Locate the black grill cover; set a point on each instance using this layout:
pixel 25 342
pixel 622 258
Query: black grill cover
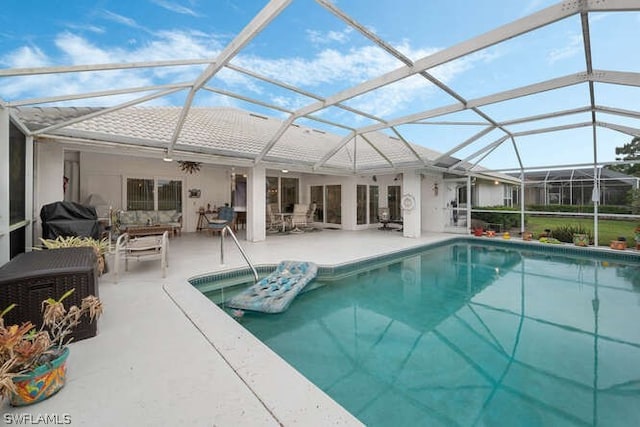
pixel 69 219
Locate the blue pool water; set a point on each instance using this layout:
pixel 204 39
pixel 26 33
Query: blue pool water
pixel 471 335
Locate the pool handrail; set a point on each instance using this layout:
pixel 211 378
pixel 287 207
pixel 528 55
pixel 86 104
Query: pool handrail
pixel 244 254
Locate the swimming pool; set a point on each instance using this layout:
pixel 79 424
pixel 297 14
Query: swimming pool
pixel 469 334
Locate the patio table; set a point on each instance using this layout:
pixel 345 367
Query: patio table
pixel 149 230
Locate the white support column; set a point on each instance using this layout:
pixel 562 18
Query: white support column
pixel 349 203
pixel 411 195
pixel 49 173
pixel 522 206
pixel 469 204
pixel 5 248
pixel 29 183
pixel 256 204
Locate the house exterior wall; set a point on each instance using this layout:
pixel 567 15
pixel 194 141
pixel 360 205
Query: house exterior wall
pixel 49 174
pixel 411 204
pixel 106 174
pixel 433 214
pixel 489 193
pixel 257 199
pixel 348 190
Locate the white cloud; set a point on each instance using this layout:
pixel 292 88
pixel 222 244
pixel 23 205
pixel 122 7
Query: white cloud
pixel 331 67
pixel 573 47
pixel 325 73
pixel 90 28
pixel 25 57
pixel 175 7
pixel 120 19
pixel 75 50
pixel 320 37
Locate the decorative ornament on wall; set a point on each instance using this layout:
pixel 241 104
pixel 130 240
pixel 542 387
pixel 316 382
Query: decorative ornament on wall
pixel 190 167
pixel 408 202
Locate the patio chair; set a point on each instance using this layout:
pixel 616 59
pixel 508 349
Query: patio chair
pixel 311 213
pixel 274 220
pixel 383 218
pixel 226 216
pixel 299 217
pixel 142 248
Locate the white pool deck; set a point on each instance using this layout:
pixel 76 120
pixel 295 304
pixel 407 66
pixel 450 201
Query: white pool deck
pixel 166 356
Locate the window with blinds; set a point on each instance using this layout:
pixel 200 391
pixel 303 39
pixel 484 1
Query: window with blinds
pixel 146 194
pixel 169 195
pixel 140 194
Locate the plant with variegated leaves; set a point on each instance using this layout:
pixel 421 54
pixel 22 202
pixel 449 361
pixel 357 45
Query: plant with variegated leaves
pixel 23 347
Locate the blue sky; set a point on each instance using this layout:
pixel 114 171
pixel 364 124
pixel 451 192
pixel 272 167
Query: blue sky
pixel 308 47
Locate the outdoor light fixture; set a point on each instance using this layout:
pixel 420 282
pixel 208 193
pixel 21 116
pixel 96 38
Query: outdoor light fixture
pixel 285 171
pixel 166 157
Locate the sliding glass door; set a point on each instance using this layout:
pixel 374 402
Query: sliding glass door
pixel 317 197
pixel 393 200
pixel 282 193
pixel 333 201
pixel 328 200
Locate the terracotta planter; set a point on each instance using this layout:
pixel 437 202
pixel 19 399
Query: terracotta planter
pixel 41 383
pixel 618 244
pixel 527 235
pixel 477 232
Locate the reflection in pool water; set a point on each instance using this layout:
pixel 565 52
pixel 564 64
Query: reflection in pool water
pixel 471 335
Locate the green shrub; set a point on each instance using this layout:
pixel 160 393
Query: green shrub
pixel 506 219
pixel 565 233
pixel 602 209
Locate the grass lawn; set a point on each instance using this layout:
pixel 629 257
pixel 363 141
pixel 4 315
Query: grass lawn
pixel 608 229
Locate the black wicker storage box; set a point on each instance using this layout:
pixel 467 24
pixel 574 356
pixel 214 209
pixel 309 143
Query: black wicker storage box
pixel 32 277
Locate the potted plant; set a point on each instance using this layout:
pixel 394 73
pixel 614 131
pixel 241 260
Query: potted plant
pixel 100 247
pixel 620 244
pixel 580 239
pixel 527 235
pixel 636 236
pixel 33 361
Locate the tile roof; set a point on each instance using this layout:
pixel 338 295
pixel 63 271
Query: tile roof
pixel 229 132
